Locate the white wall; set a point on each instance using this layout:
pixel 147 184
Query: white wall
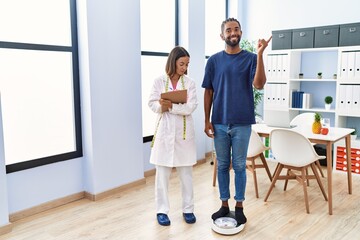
pixel 263 16
pixel 114 156
pixel 4 208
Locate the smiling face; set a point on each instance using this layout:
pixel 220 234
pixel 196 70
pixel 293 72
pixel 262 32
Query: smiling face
pixel 231 33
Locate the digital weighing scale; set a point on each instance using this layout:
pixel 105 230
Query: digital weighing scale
pixel 227 225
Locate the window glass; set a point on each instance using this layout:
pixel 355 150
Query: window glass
pixel 158 33
pixel 39 82
pixel 37 104
pixel 35 21
pixel 152 67
pixel 157 25
pixel 215 13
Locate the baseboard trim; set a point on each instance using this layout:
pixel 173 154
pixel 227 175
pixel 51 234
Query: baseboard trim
pixel 149 173
pixel 45 206
pixel 201 161
pixel 99 196
pixel 6 228
pixel 208 154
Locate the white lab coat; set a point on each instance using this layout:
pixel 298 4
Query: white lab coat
pixel 170 149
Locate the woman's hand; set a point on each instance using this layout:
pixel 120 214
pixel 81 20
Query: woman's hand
pixel 165 105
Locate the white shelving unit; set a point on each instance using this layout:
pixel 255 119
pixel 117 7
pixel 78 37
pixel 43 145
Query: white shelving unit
pixel 283 68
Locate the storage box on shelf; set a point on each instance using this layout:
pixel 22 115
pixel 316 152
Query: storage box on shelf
pixel 281 39
pixel 327 36
pixel 303 38
pixel 349 34
pixel 340 161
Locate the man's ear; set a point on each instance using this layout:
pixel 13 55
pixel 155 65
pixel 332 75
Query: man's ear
pixel 222 36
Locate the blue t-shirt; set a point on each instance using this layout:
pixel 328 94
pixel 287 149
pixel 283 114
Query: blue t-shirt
pixel 231 77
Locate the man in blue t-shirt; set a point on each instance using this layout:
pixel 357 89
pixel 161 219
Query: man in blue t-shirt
pixel 230 76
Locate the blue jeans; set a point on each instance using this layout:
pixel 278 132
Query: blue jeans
pixel 231 144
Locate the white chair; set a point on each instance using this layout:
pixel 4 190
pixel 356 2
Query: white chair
pixel 305 120
pixel 255 150
pixel 295 153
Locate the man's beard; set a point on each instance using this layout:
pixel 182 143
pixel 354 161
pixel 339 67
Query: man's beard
pixel 231 43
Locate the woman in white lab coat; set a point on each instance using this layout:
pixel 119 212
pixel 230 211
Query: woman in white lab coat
pixel 173 143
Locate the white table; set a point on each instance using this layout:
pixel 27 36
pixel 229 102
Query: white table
pixel 335 134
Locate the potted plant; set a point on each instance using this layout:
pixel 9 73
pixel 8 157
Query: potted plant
pixel 250 46
pixel 328 100
pixel 301 75
pixel 334 76
pixel 319 75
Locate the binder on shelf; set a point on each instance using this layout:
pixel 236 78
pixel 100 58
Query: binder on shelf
pixel 344 65
pixel 342 95
pixel 356 98
pixel 278 94
pixel 267 94
pixel 284 96
pixel 273 65
pixel 306 103
pixel 293 99
pixel 280 66
pixel 348 97
pixel 351 64
pixel 357 65
pixel 269 66
pixel 300 99
pixel 273 94
pixel 285 66
pixel 297 99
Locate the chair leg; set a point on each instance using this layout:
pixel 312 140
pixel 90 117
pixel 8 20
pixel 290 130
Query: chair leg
pixel 286 180
pixel 307 179
pixel 254 176
pixel 263 160
pixel 276 168
pixel 276 176
pixel 303 182
pixel 320 169
pixel 313 168
pixel 215 172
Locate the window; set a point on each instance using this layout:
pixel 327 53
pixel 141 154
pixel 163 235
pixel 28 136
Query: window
pixel 158 37
pixel 39 82
pixel 215 14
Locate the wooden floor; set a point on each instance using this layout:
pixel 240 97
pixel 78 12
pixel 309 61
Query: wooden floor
pixel 131 214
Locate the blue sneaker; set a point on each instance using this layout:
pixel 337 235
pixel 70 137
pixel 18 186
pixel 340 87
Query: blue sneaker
pixel 163 219
pixel 189 218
